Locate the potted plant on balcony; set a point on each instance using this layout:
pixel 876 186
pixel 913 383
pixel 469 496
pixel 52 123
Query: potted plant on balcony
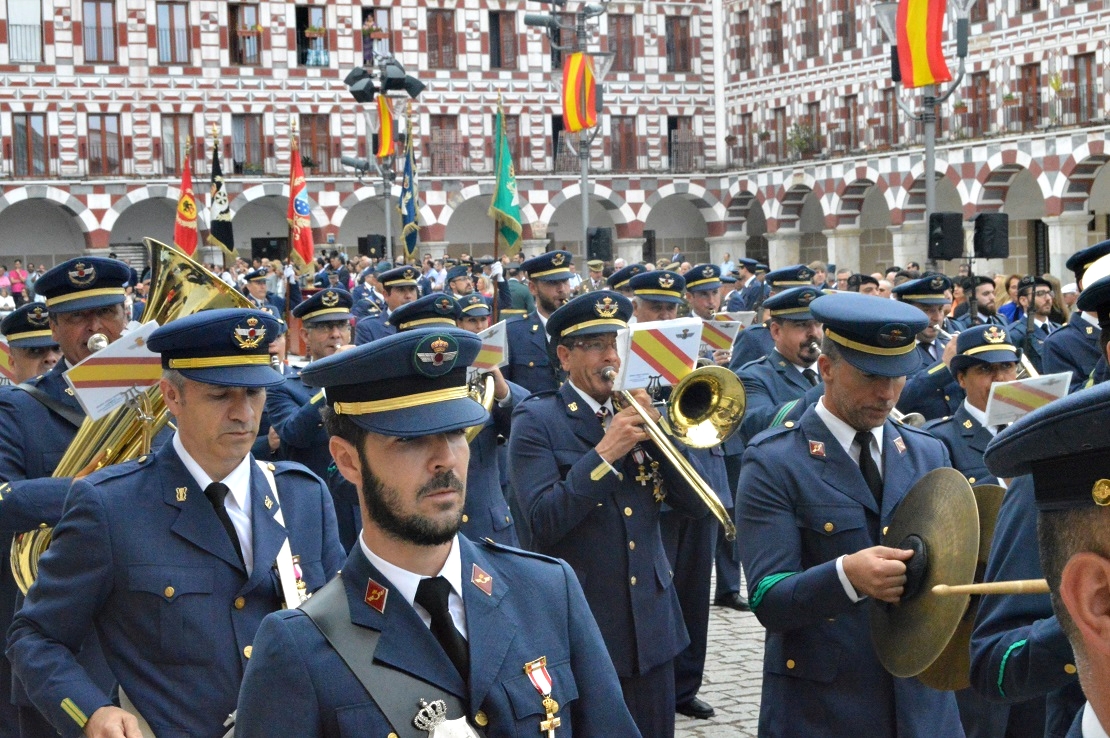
pixel 248 31
pixel 802 140
pixel 307 163
pixel 959 107
pixel 764 136
pixel 1009 100
pixel 315 32
pixel 370 29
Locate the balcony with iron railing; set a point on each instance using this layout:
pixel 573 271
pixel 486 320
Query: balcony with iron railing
pixel 687 156
pixel 248 158
pixel 447 157
pixel 104 159
pixel 100 44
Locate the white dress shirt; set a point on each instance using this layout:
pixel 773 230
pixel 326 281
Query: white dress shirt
pixel 406 583
pixel 237 502
pixel 1092 728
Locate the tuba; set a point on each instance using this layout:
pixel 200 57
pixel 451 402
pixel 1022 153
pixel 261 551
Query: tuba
pixel 179 286
pixel 480 388
pixel 704 409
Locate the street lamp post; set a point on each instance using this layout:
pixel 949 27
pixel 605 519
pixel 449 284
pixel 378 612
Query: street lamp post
pixel 886 14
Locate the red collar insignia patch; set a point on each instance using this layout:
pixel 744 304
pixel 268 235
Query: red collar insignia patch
pixel 900 444
pixel 481 580
pixel 817 448
pixel 376 595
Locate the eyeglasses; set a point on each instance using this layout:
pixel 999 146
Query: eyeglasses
pixel 597 345
pixel 1043 293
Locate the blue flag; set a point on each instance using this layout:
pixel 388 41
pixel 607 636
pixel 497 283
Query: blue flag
pixel 410 196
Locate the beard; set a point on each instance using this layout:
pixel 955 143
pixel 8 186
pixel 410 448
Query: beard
pixel 382 504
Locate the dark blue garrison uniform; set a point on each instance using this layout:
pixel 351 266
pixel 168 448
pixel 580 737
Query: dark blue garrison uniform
pixel 511 608
pixel 755 342
pixel 933 392
pixel 271 303
pixel 966 440
pixel 532 364
pixel 806 503
pixel 1074 348
pixel 604 521
pixel 141 557
pixel 373 327
pixel 1035 350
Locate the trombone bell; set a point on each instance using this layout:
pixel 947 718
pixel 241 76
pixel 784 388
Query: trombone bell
pixel 706 407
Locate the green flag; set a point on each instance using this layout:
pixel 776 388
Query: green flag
pixel 505 206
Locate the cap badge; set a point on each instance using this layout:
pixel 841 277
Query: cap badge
pixel 1100 492
pixel 376 596
pixel 806 298
pixel 443 306
pixel 937 283
pixel 38 316
pixel 707 272
pixel 804 273
pixel 330 299
pixel 249 335
pixel 435 355
pixel 606 308
pixel 82 275
pixel 409 274
pixel 558 259
pixel 481 580
pixel 666 281
pixel 894 335
pixel 994 334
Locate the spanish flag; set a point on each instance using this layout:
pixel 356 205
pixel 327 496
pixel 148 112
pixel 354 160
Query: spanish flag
pixel 579 97
pixel 920 26
pixel 385 128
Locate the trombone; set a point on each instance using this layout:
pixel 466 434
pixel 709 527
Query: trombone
pixel 704 409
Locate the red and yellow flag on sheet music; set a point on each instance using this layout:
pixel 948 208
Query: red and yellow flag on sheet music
pixel 7 368
pixel 920 27
pixel 385 128
pixel 579 93
pixel 185 224
pixel 662 353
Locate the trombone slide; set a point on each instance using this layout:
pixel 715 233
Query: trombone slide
pixel 1017 586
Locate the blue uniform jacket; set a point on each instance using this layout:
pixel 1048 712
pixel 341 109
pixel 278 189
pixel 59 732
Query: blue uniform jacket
pixel 963 322
pixel 1035 350
pixel 1018 650
pixel 261 448
pixel 298 423
pixel 752 343
pixel 486 513
pixel 578 512
pixel 1074 348
pixel 530 366
pixel 933 392
pixel 805 504
pixel 373 327
pixel 769 384
pixel 141 558
pixel 966 440
pixel 535 609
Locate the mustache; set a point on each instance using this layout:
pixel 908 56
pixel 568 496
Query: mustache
pixel 443 480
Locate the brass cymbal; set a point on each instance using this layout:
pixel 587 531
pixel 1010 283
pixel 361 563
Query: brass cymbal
pixel 952 669
pixel 939 519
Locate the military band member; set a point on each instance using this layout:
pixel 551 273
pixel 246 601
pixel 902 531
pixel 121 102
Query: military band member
pixel 257 292
pixel 591 498
pixel 399 286
pixel 463 618
pixel 982 308
pixel 782 384
pixel 85 297
pixel 931 388
pixel 815 498
pixel 459 281
pixel 755 342
pixel 31 344
pixel 1075 347
pixel 1034 297
pixel 169 557
pixel 531 360
pixel 268 444
pixel 1058 453
pixel 619 280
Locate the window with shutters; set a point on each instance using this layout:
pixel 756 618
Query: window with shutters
pixel 679 43
pixel 245 38
pixel 686 151
pixel 442 39
pixel 846 28
pixel 176 129
pixel 745 152
pixel 622 42
pixel 744 41
pixel 99 31
pixel 812 120
pixel 1029 88
pixel 779 133
pixel 105 145
pixel 774 33
pixel 173 33
pixel 979 11
pixel 312 36
pixel 247 144
pixel 445 148
pixel 30 145
pixel 979 104
pixel 811 39
pixel 563 156
pixel 1086 93
pixel 25 31
pixel 623 142
pixel 502 39
pixel 375 34
pixel 315 144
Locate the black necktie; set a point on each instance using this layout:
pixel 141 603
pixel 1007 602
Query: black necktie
pixel 930 349
pixel 602 414
pixel 432 595
pixel 811 377
pixel 867 466
pixel 216 492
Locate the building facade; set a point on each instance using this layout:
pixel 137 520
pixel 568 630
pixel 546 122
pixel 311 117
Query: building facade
pixel 742 126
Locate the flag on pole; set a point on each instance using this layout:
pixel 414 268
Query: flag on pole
pixel 299 215
pixel 385 128
pixel 410 195
pixel 920 26
pixel 579 93
pixel 219 207
pixel 185 224
pixel 504 208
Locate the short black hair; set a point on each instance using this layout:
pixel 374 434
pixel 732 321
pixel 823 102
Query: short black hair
pixel 343 427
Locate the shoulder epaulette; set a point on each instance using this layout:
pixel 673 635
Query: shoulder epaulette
pixel 502 548
pixel 116 471
pixel 541 393
pixel 773 432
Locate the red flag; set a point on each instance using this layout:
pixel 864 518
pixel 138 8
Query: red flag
pixel 185 226
pixel 385 128
pixel 299 215
pixel 920 25
pixel 579 94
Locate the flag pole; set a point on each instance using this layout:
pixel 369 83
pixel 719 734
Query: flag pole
pixel 496 311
